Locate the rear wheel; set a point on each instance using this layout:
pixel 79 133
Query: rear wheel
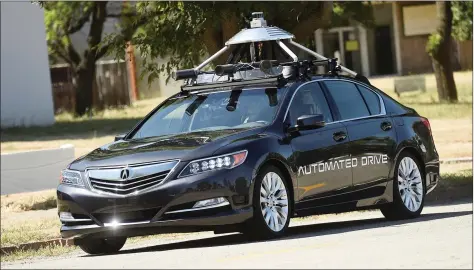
pixel 103 245
pixel 408 190
pixel 271 204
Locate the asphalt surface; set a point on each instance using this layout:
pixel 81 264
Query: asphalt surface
pixel 440 238
pixel 33 170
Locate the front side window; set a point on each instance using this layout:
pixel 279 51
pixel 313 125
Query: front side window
pixel 213 111
pixel 348 99
pixel 309 99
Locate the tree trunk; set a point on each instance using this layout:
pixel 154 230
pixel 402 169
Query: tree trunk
pixel 443 70
pixel 84 82
pixel 86 70
pixel 442 53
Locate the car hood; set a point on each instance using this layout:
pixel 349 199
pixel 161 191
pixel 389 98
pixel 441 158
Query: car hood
pixel 186 146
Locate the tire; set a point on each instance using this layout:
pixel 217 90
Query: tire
pixel 102 245
pixel 411 205
pixel 263 226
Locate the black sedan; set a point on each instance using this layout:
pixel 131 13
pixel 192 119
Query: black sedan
pixel 247 159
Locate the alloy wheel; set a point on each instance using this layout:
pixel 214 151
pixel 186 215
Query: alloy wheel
pixel 409 184
pixel 274 201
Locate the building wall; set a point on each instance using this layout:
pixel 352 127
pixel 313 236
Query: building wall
pixel 413 53
pixel 414 57
pixel 26 97
pixel 465 55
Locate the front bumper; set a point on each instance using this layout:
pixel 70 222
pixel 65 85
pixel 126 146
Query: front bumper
pixel 159 209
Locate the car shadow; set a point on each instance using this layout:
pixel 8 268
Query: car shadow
pixel 294 232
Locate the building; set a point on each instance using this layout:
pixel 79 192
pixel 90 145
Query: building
pixel 395 46
pixel 26 97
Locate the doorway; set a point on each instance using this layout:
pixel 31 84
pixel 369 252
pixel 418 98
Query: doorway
pixel 383 51
pixel 347 44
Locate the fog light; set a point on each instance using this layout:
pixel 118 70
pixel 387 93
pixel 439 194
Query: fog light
pixel 65 216
pixel 221 201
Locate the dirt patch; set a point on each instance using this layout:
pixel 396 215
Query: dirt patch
pixel 453 137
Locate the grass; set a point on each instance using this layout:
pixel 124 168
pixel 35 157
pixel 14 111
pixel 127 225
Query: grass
pixel 40 200
pixel 51 251
pixel 15 233
pixel 427 103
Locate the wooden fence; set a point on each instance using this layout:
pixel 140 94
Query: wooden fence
pixel 110 88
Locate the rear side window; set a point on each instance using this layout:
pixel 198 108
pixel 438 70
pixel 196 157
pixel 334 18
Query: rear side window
pixel 371 99
pixel 348 99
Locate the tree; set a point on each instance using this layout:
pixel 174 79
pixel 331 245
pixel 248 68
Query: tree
pixel 455 20
pixel 63 19
pixel 462 20
pixel 186 31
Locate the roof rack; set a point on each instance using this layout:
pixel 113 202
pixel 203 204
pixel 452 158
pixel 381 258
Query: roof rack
pixel 275 80
pixel 248 38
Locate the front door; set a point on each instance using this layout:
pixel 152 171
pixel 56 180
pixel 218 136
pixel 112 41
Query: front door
pixel 371 133
pixel 321 155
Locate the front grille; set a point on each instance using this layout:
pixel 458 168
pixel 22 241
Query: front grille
pixel 128 186
pixel 130 179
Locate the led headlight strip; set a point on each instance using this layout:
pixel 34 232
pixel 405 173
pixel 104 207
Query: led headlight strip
pixel 227 161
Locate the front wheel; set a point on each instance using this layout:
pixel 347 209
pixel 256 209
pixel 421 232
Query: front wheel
pixel 408 190
pixel 102 246
pixel 271 204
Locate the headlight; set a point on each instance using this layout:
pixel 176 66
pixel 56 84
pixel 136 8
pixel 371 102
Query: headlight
pixel 227 161
pixel 73 178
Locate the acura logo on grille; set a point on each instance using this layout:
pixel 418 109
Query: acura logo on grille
pixel 124 173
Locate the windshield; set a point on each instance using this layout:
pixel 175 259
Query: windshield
pixel 235 109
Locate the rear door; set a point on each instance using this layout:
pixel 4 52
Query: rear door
pixel 319 154
pixel 371 134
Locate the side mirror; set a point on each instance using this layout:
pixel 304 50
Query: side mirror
pixel 308 122
pixel 120 137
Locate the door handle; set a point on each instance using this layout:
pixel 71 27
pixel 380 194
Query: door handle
pixel 386 126
pixel 339 136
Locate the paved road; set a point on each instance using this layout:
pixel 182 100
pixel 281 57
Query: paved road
pixel 441 238
pixel 33 170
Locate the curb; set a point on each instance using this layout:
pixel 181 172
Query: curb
pixel 456 160
pixel 37 245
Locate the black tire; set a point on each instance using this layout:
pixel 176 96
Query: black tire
pixel 256 228
pixel 102 246
pixel 397 209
